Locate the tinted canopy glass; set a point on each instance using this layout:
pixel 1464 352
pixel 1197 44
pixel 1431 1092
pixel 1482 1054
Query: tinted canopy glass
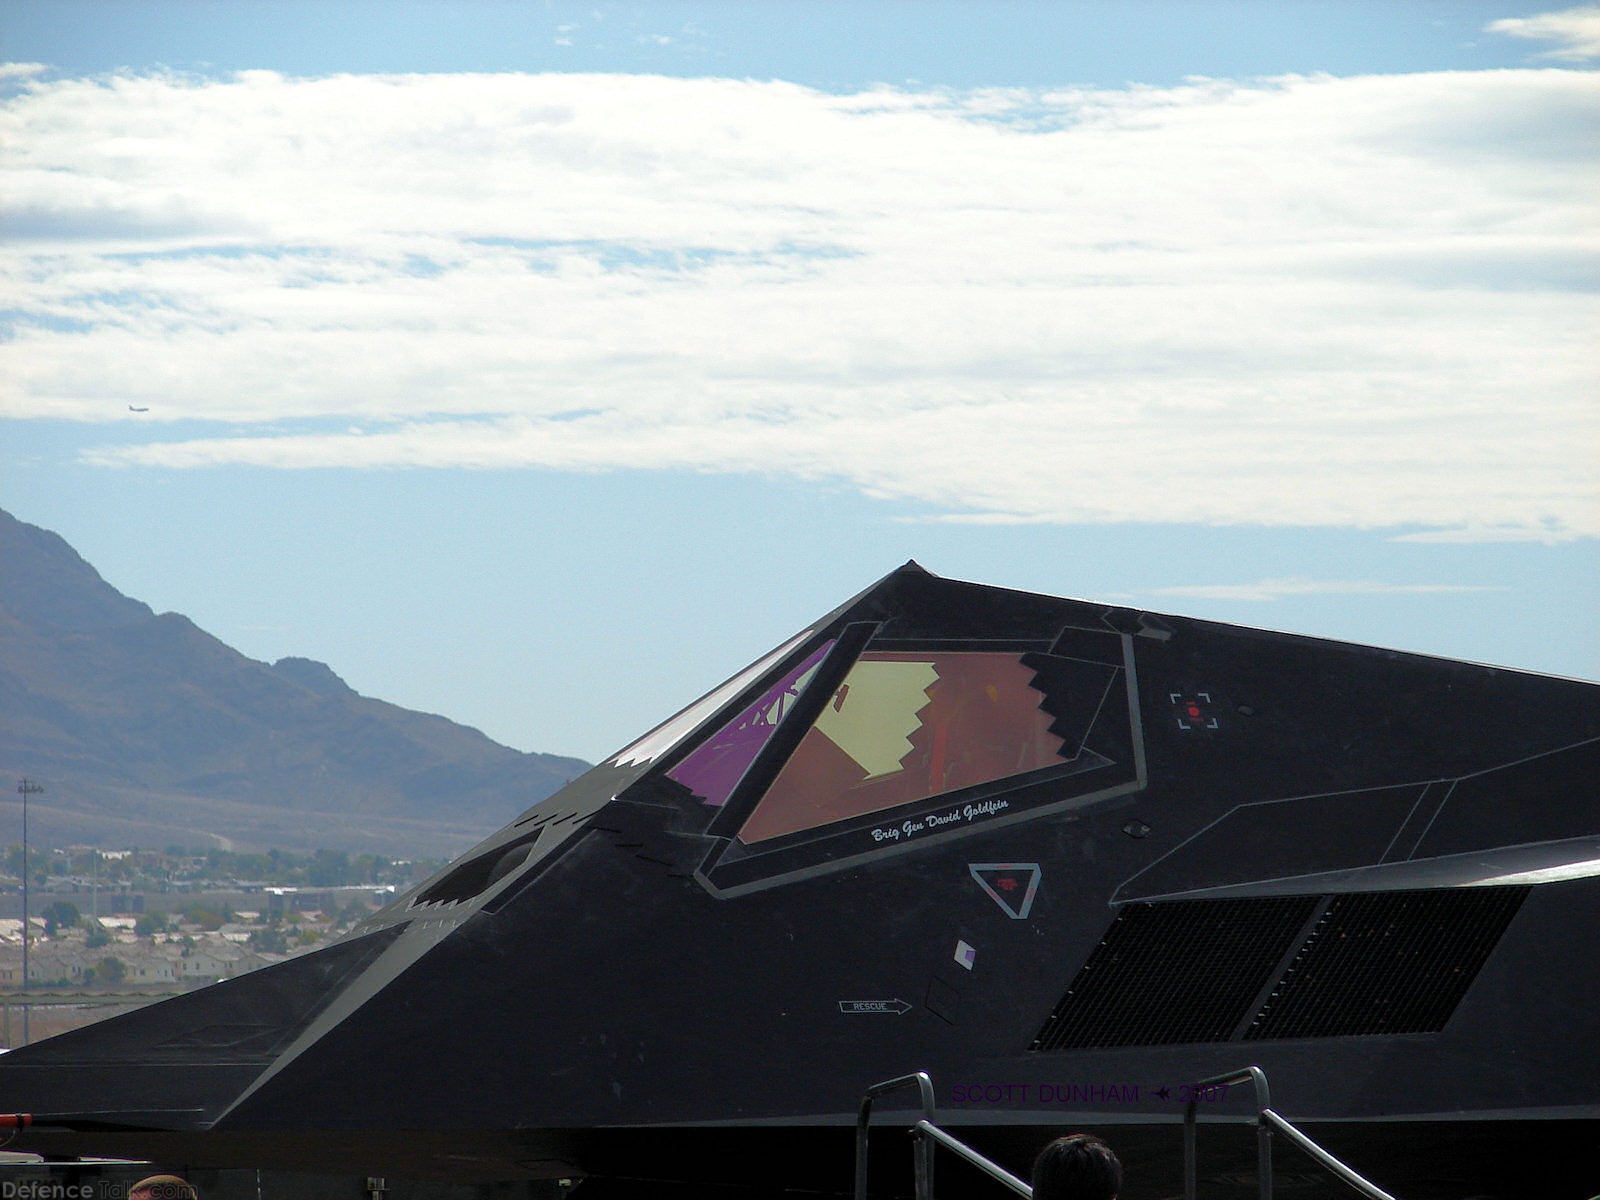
pixel 904 726
pixel 715 767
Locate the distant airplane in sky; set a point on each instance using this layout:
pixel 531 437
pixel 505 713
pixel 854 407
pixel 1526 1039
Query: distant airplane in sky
pixel 133 408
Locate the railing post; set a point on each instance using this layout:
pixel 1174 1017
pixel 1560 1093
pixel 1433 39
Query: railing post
pixel 1264 1155
pixel 1191 1156
pixel 922 1152
pixel 924 1147
pixel 1253 1075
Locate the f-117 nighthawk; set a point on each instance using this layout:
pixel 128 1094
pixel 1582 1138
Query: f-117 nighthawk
pixel 1067 857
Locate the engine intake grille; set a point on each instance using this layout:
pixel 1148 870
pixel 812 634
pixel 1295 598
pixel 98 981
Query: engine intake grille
pixel 1328 966
pixel 1186 971
pixel 1387 962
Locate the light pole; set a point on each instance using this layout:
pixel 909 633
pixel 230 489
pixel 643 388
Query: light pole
pixel 27 788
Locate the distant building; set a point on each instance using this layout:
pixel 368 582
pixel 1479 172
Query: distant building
pixel 148 967
pixel 284 900
pixel 145 963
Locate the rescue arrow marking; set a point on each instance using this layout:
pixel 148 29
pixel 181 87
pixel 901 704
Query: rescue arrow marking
pixel 897 1007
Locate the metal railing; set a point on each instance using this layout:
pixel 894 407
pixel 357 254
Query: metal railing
pixel 926 1137
pixel 1267 1121
pixel 927 1129
pixel 923 1149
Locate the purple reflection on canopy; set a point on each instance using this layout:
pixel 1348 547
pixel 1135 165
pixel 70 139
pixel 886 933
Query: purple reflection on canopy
pixel 715 767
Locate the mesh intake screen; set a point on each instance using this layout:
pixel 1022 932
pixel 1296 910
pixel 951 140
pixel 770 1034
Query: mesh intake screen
pixel 1187 971
pixel 1388 962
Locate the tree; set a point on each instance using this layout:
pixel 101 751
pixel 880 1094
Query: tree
pixel 208 919
pixel 150 923
pixel 58 915
pixel 110 970
pixel 329 868
pixel 270 941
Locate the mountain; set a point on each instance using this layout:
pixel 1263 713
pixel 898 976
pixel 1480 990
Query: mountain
pixel 146 730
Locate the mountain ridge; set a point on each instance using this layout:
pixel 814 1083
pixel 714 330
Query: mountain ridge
pixel 147 730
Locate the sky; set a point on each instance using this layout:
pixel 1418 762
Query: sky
pixel 542 364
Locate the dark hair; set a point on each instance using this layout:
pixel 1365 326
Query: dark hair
pixel 1076 1167
pixel 163 1187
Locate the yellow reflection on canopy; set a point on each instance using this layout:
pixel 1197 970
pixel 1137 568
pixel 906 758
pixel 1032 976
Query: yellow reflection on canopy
pixel 874 713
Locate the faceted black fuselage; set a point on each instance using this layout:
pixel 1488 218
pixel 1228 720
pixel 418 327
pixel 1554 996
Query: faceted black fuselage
pixel 1374 874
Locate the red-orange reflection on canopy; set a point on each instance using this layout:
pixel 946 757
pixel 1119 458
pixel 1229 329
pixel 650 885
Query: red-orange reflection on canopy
pixel 904 726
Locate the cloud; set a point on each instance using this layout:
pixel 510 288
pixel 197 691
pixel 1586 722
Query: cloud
pixel 1269 590
pixel 1480 535
pixel 1577 29
pixel 1307 301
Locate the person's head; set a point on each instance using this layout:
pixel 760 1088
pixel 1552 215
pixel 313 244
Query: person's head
pixel 1076 1167
pixel 163 1187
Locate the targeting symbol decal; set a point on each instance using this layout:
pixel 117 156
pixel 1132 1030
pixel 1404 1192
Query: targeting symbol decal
pixel 1194 711
pixel 1010 885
